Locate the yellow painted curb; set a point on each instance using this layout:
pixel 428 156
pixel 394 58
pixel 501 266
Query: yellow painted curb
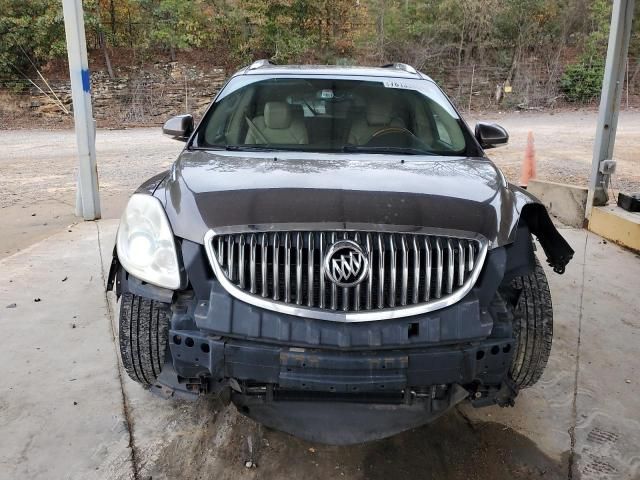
pixel 617 225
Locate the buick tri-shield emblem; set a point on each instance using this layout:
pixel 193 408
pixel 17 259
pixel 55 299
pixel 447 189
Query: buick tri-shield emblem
pixel 346 264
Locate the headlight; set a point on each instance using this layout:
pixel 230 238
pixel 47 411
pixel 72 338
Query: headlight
pixel 145 244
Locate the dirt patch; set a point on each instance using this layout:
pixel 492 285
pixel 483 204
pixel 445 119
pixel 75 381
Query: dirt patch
pixel 211 440
pixel 24 225
pixel 450 448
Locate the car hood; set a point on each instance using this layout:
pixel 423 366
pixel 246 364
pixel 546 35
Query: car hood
pixel 208 189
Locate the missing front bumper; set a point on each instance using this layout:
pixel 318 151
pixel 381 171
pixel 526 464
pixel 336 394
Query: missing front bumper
pixel 336 397
pixel 214 360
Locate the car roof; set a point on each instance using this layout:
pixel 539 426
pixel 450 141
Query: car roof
pixel 395 70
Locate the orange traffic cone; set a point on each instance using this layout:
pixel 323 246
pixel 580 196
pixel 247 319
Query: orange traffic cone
pixel 528 163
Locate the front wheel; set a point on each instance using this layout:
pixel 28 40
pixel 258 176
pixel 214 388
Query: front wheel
pixel 532 326
pixel 143 333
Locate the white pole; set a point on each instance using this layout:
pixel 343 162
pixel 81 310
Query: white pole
pixel 88 198
pixel 473 74
pixel 612 83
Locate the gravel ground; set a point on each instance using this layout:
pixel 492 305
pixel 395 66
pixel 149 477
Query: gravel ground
pixel 564 147
pixel 38 166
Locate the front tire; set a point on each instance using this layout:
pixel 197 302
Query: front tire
pixel 143 334
pixel 532 327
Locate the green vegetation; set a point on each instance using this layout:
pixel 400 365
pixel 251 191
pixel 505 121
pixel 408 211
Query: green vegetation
pixel 537 46
pixel 582 81
pixel 34 28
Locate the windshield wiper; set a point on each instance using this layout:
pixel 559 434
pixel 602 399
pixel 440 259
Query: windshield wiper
pixel 391 150
pixel 261 148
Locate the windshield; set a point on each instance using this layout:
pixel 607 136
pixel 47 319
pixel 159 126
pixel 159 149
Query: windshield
pixel 378 115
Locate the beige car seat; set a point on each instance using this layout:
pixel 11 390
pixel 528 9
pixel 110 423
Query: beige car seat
pixel 277 126
pixel 379 116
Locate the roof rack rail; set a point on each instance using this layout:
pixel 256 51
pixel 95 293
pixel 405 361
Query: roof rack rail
pixel 259 63
pixel 401 66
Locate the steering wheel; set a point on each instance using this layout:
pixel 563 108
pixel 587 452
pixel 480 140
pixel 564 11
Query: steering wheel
pixel 390 131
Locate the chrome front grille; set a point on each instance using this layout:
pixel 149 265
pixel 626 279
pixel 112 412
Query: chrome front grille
pixel 408 272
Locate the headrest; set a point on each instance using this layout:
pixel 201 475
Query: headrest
pixel 379 111
pixel 277 115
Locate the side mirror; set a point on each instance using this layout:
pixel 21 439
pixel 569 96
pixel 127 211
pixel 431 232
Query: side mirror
pixel 491 135
pixel 179 127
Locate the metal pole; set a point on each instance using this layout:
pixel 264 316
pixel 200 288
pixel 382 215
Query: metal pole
pixel 88 198
pixel 603 165
pixel 473 74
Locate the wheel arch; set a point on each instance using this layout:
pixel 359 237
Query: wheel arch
pixel 120 281
pixel 534 220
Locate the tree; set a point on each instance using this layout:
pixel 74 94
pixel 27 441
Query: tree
pixel 174 24
pixel 524 42
pixel 302 30
pixel 582 80
pixel 33 29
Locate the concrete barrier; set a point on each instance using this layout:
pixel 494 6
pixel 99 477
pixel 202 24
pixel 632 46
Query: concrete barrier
pixel 617 225
pixel 565 202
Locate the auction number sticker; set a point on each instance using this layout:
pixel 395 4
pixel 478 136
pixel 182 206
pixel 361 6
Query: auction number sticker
pixel 395 84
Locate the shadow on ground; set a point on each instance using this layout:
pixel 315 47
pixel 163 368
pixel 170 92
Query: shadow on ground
pixel 453 447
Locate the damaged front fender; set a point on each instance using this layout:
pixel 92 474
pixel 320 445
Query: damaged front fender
pixel 532 212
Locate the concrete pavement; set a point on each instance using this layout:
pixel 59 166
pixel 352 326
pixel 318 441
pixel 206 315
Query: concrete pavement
pixel 61 410
pixel 68 411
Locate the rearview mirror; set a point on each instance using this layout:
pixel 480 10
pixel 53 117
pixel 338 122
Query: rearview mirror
pixel 491 135
pixel 179 127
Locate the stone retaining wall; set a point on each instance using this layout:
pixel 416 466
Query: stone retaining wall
pixel 134 96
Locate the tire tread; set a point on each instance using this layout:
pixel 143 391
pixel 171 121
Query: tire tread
pixel 532 327
pixel 143 337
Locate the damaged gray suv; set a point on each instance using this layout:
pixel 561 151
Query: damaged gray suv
pixel 334 252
